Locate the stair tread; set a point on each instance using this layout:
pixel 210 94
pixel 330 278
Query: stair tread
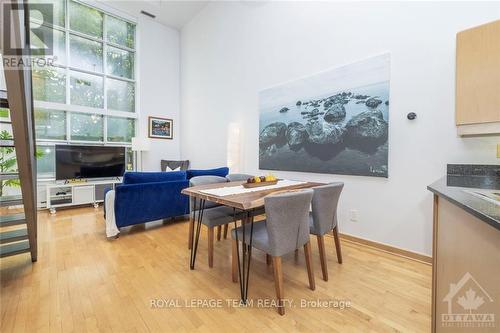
pixel 14 248
pixel 9 175
pixel 13 235
pixel 12 219
pixel 11 200
pixel 7 143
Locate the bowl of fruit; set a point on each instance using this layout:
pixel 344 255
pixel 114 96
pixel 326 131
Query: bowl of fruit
pixel 258 181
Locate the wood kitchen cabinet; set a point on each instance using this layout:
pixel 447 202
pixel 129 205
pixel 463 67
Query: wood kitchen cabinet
pixel 478 80
pixel 466 257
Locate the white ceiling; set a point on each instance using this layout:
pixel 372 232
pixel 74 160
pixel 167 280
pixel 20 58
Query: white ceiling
pixel 174 14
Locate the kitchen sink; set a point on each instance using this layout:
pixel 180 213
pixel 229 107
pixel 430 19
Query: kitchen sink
pixel 488 195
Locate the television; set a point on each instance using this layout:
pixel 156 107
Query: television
pixel 74 161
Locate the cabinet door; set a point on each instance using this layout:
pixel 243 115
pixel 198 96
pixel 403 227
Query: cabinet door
pixel 83 194
pixel 478 75
pixel 99 191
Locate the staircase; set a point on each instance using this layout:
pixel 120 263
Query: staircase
pixel 18 227
pixel 14 238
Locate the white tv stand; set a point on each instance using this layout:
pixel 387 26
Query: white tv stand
pixel 74 194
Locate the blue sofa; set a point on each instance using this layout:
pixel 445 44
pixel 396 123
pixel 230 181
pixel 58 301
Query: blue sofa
pixel 151 196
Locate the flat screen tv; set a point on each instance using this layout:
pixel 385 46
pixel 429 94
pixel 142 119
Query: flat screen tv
pixel 89 162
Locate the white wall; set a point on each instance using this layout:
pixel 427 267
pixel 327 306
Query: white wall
pixel 159 87
pixel 232 50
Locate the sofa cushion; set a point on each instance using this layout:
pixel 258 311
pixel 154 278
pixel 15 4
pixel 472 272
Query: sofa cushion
pixel 221 172
pixel 153 177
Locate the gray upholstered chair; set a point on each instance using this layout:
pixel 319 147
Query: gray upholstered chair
pixel 214 215
pixel 323 219
pixel 235 177
pixel 285 229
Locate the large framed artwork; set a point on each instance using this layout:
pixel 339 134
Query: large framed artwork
pixel 335 122
pixel 160 128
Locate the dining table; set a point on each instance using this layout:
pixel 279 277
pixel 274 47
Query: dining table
pixel 246 204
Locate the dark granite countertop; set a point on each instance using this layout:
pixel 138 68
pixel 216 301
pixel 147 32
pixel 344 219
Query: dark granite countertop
pixel 452 186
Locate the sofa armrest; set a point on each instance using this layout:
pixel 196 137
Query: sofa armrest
pixel 139 203
pixel 112 230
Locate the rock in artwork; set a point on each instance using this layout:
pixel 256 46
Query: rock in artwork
pixel 332 122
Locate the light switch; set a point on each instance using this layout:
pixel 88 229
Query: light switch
pixel 354 215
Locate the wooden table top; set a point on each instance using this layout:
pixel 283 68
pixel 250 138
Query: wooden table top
pixel 244 201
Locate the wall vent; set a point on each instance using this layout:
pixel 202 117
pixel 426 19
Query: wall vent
pixel 148 14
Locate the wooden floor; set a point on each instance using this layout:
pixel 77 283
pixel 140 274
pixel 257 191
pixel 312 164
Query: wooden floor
pixel 83 282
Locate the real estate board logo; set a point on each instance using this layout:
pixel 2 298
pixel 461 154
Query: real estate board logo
pixel 27 37
pixel 467 305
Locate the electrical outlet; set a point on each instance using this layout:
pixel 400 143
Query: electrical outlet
pixel 354 215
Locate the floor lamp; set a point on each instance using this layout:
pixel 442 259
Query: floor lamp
pixel 139 145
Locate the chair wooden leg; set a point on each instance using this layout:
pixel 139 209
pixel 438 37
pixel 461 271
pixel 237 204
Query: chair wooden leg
pixel 310 273
pixel 278 282
pixel 268 259
pixel 337 244
pixel 226 226
pixel 219 230
pixel 211 247
pixel 234 261
pixel 322 256
pixel 190 235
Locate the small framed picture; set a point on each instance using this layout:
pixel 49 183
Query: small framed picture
pixel 161 128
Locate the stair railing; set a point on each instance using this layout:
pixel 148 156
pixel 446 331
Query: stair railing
pixel 19 95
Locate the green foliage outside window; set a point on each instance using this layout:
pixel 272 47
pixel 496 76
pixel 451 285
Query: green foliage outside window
pixel 85 19
pixel 120 63
pixel 120 32
pixel 50 124
pixel 121 95
pixel 8 162
pixel 86 127
pixel 58 11
pixel 86 90
pixel 4 113
pixel 120 129
pixel 49 84
pixel 86 54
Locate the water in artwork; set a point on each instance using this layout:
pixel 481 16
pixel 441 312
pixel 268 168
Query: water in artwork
pixel 343 131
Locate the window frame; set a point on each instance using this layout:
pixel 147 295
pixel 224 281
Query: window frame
pixel 67 107
pixel 67 68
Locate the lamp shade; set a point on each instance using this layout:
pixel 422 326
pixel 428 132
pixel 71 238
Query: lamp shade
pixel 233 149
pixel 140 144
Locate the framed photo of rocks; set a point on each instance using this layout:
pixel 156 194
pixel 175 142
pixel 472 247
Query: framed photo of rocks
pixel 334 122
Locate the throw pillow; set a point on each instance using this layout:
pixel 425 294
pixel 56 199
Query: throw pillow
pixel 169 170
